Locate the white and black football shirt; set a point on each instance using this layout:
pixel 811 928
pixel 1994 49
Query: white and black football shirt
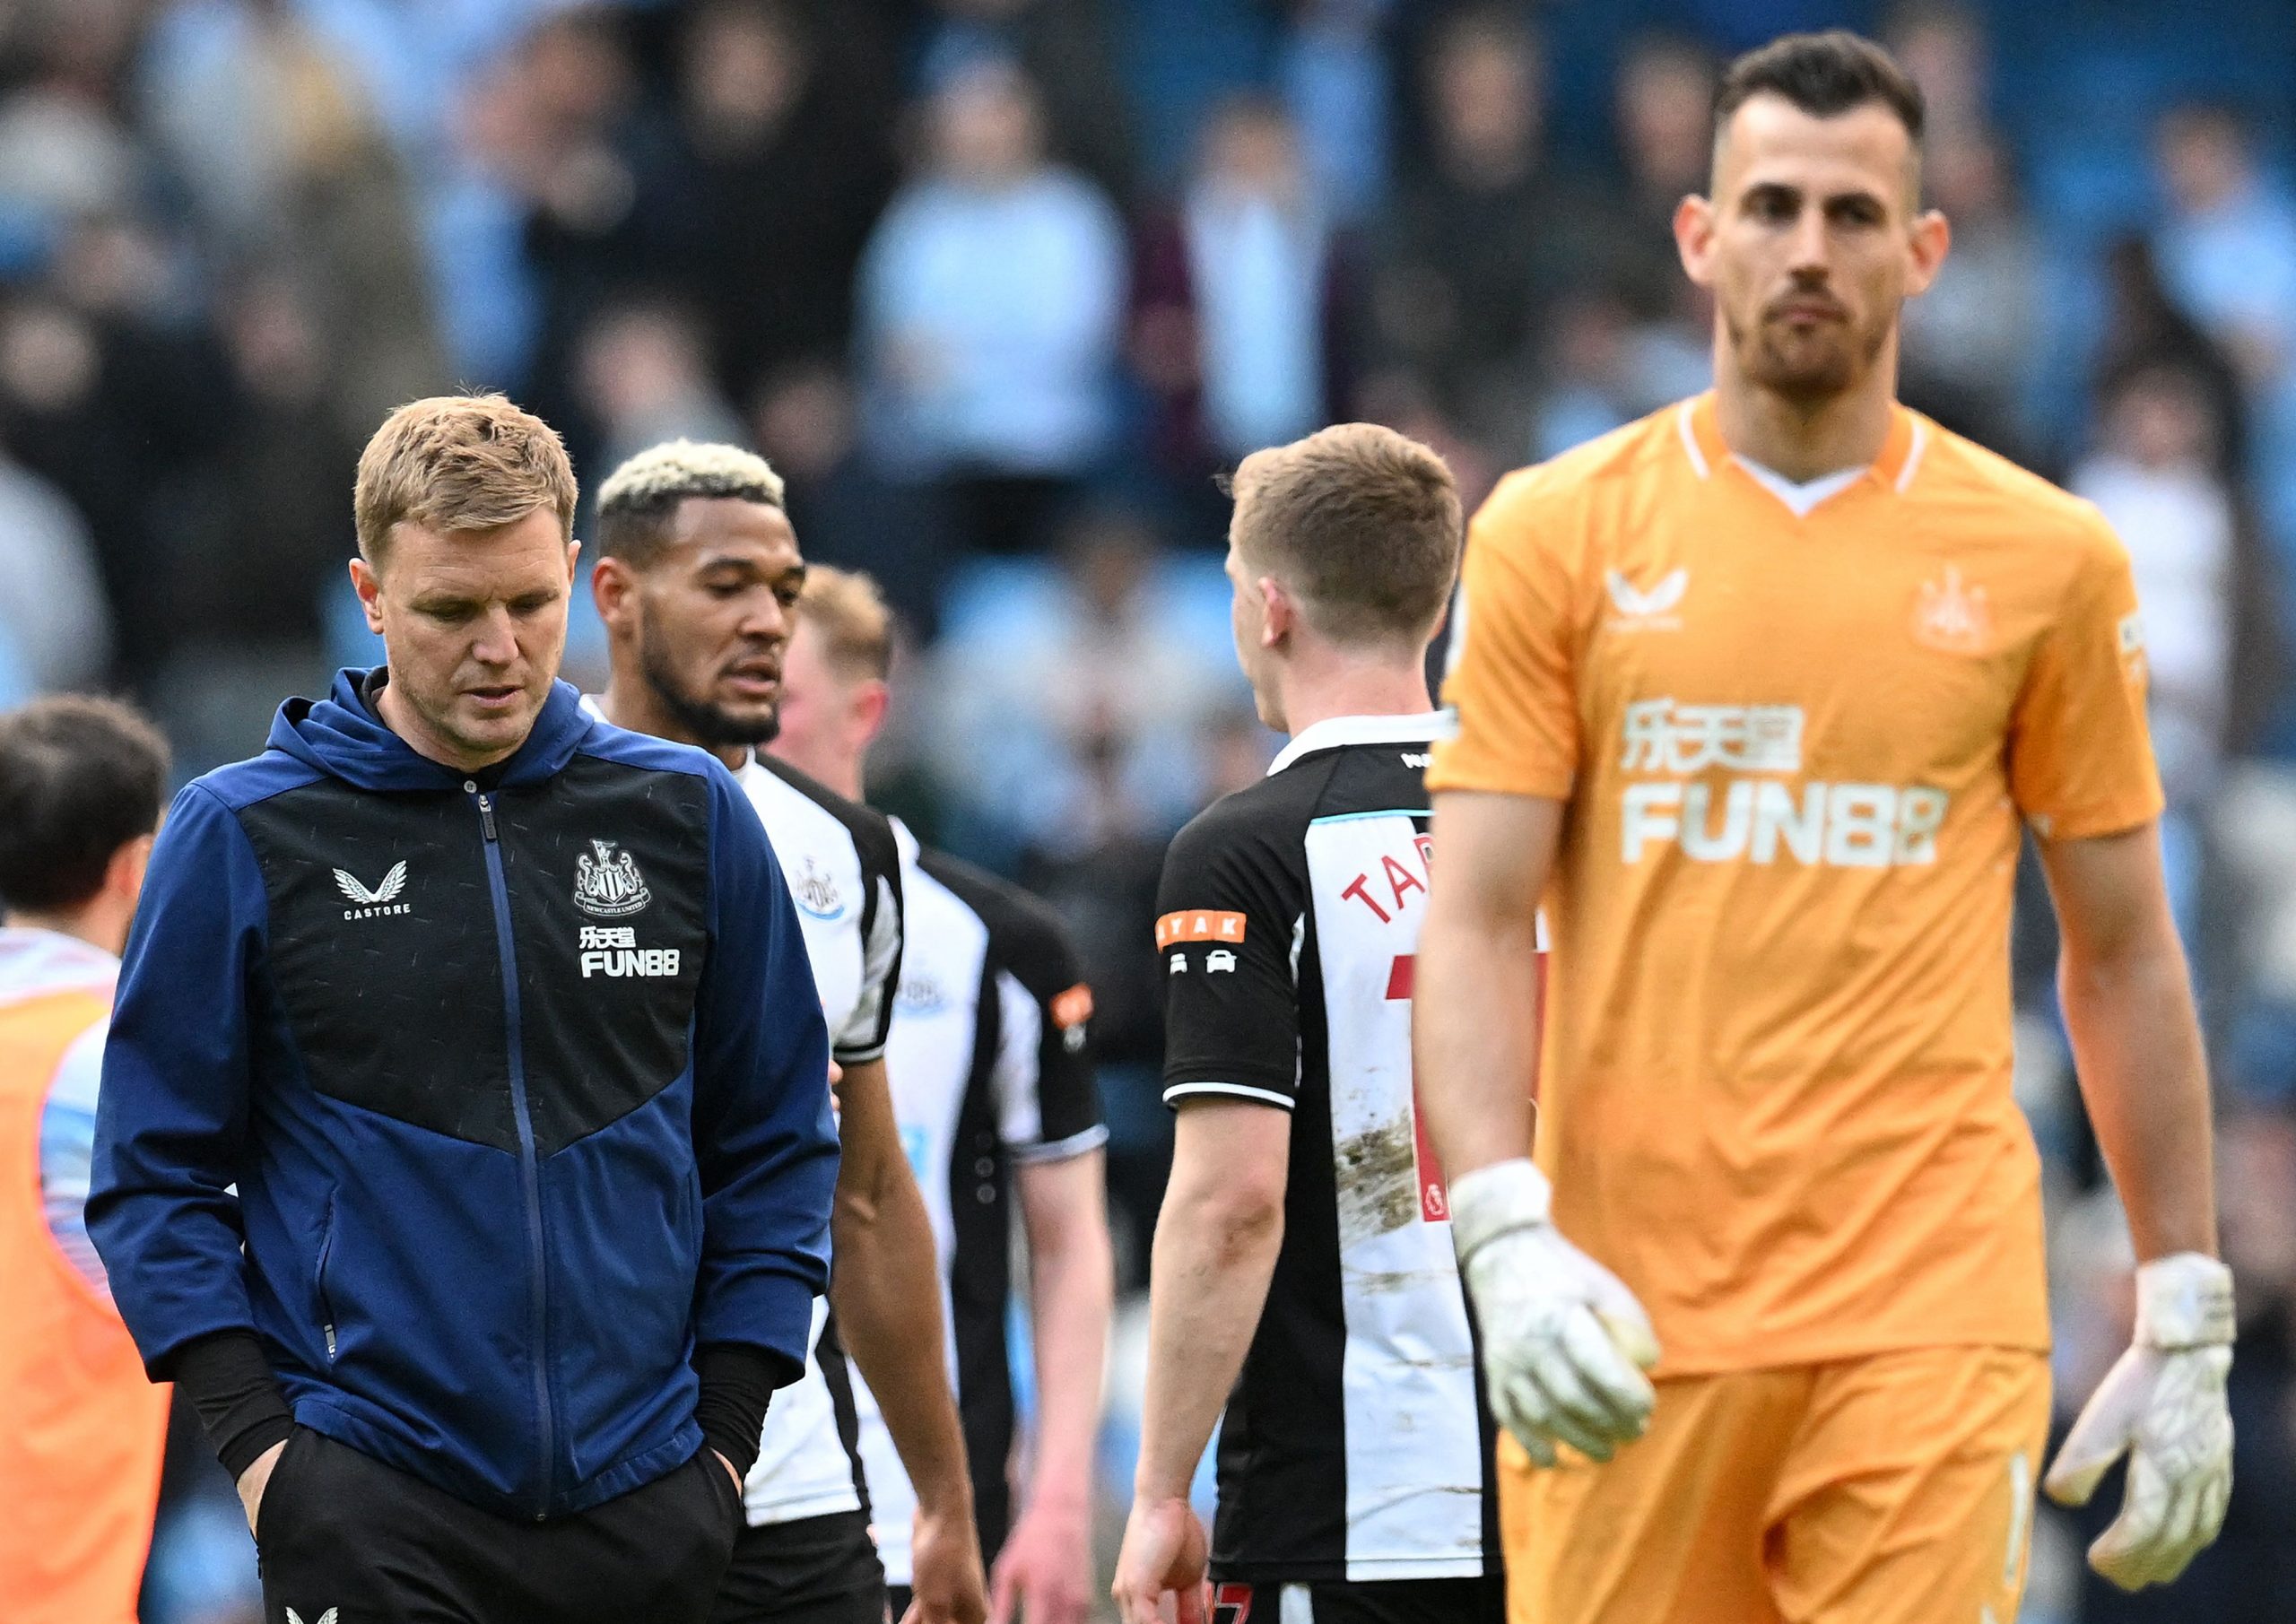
pixel 843 873
pixel 1355 1443
pixel 989 1066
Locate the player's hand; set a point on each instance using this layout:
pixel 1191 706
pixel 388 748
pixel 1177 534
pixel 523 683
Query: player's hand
pixel 1164 1550
pixel 1044 1574
pixel 946 1586
pixel 1564 1343
pixel 256 1479
pixel 2163 1406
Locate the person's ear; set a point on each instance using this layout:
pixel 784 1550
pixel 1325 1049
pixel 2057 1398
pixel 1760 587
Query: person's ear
pixel 368 582
pixel 1281 615
pixel 573 552
pixel 124 875
pixel 613 588
pixel 1932 238
pixel 1694 225
pixel 872 702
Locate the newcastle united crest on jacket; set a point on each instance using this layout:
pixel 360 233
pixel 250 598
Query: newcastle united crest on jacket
pixel 609 886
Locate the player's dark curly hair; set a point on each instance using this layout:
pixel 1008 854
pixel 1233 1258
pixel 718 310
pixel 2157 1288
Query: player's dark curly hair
pixel 1823 74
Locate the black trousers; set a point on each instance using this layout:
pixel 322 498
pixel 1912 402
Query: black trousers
pixel 344 1539
pixel 1389 1602
pixel 816 1570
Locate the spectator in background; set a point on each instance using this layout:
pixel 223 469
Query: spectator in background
pixel 1968 341
pixel 1586 377
pixel 1485 234
pixel 991 298
pixel 287 159
pixel 2144 326
pixel 1942 44
pixel 561 120
pixel 642 378
pixel 786 167
pixel 1075 726
pixel 1663 106
pixel 2228 248
pixel 53 626
pixel 64 151
pixel 1333 68
pixel 2154 476
pixel 262 540
pixel 2157 476
pixel 803 421
pixel 1634 333
pixel 1239 299
pixel 1067 48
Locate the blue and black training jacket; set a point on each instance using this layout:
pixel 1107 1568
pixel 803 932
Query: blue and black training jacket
pixel 481 1099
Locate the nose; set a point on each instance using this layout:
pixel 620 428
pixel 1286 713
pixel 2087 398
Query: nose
pixel 765 620
pixel 497 643
pixel 1812 247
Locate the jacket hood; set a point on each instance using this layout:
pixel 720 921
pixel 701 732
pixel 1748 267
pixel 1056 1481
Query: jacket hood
pixel 342 738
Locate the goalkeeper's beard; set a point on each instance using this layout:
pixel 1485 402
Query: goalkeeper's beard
pixel 710 725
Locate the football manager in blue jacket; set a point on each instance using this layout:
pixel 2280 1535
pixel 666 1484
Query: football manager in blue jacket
pixel 465 1150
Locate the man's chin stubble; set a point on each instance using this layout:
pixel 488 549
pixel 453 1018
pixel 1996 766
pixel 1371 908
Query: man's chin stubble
pixel 716 728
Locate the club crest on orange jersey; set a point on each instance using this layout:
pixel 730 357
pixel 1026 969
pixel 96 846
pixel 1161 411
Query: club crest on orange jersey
pixel 1951 615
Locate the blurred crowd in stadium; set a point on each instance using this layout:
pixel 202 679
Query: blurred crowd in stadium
pixel 1000 284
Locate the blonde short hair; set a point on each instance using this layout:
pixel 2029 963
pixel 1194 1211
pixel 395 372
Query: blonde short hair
pixel 856 629
pixel 638 499
pixel 459 462
pixel 1363 523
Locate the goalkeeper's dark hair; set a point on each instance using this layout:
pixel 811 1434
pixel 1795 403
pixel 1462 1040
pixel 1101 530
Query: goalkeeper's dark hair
pixel 79 777
pixel 640 499
pixel 1825 74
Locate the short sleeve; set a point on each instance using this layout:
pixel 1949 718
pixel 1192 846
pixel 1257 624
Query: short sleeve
pixel 1511 682
pixel 67 1140
pixel 1047 1104
pixel 862 1036
pixel 2080 756
pixel 1227 919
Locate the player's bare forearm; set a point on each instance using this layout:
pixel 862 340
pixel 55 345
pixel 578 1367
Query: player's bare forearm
pixel 885 1276
pixel 1474 1005
pixel 2137 1044
pixel 1064 1210
pixel 1217 1236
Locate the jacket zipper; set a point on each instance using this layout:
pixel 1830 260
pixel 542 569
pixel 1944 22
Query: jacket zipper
pixel 327 1309
pixel 529 1164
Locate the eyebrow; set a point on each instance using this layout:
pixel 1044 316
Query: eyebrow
pixel 435 603
pixel 1786 188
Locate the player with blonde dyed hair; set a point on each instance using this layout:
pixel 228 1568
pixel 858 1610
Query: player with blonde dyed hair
pixel 1760 696
pixel 697 584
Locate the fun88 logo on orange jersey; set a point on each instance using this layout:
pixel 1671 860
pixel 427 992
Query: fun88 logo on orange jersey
pixel 1756 813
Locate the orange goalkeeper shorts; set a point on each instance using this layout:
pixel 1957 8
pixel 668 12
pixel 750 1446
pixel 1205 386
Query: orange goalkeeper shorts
pixel 1893 1489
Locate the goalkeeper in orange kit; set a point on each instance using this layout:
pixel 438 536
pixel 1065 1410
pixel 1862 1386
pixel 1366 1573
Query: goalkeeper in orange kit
pixel 1759 696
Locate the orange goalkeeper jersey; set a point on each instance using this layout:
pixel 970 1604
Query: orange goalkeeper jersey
pixel 1796 752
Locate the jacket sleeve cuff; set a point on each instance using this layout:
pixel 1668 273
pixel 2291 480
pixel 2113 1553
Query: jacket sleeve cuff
pixel 766 1309
pixel 235 1395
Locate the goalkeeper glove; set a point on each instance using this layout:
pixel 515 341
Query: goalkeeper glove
pixel 1564 1343
pixel 2162 1404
